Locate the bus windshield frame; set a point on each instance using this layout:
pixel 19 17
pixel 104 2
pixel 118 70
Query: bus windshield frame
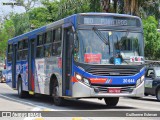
pixel 125 45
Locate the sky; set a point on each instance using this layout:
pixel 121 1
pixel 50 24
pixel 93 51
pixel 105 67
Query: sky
pixel 6 9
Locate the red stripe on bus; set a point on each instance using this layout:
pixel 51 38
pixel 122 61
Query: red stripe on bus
pixel 74 79
pixel 98 80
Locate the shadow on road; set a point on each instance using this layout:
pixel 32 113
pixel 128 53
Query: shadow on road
pixel 148 99
pixel 47 101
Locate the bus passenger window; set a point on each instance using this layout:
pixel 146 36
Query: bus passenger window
pixel 39 53
pixel 25 44
pixel 57 42
pixel 19 55
pixel 9 58
pixel 47 50
pixel 47 38
pixel 40 39
pixel 9 55
pixel 25 54
pixel 20 45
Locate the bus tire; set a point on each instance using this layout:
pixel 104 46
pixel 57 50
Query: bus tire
pixel 59 101
pixel 21 93
pixel 111 101
pixel 145 94
pixel 158 94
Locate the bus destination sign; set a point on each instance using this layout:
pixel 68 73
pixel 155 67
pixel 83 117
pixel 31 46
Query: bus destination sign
pixel 110 21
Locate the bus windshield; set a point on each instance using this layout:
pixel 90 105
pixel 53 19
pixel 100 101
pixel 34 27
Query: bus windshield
pixel 92 47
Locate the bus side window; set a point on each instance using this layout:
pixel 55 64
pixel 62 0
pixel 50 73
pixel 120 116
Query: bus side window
pixel 39 53
pixel 57 42
pixel 47 50
pixel 39 49
pixel 9 55
pixel 48 44
pixel 47 37
pixel 40 40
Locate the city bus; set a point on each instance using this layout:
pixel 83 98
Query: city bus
pixel 85 55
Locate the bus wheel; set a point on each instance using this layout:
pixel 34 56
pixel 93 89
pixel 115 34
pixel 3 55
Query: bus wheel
pixel 21 93
pixel 145 94
pixel 111 101
pixel 158 94
pixel 59 101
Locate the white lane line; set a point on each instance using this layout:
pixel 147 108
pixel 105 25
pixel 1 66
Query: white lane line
pixel 19 101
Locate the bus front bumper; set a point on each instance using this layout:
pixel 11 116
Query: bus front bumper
pixel 81 90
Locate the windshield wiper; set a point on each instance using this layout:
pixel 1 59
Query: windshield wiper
pixel 102 37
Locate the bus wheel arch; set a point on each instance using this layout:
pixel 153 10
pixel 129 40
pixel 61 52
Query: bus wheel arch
pixel 52 80
pixel 54 91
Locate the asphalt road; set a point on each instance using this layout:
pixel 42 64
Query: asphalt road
pixel 9 101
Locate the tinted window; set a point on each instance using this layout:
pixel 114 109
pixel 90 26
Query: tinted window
pixel 57 42
pixel 9 57
pixel 40 39
pixel 20 45
pixel 48 36
pixel 25 44
pixel 10 48
pixel 48 50
pixel 39 52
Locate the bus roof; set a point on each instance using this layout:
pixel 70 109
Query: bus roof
pixel 32 33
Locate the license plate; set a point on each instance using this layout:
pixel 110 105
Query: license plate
pixel 114 90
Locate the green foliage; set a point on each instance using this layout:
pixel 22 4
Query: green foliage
pixel 21 23
pixel 152 38
pixel 6 32
pixel 39 17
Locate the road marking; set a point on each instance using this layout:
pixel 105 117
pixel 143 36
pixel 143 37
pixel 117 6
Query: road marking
pixel 76 118
pixel 19 101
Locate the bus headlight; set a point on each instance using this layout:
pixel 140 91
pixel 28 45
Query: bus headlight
pixel 79 77
pixel 82 79
pixel 139 81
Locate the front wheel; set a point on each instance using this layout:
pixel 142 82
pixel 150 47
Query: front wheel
pixel 158 94
pixel 145 94
pixel 59 101
pixel 111 101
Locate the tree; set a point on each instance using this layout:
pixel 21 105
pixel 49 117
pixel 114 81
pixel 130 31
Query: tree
pixel 27 4
pixel 39 17
pixel 21 23
pixel 152 38
pixel 62 8
pixel 6 32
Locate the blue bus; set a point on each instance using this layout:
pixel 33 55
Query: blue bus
pixel 85 55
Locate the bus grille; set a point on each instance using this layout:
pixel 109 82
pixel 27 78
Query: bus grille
pixel 104 71
pixel 124 89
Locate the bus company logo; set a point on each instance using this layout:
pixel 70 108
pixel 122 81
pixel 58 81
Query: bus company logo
pixel 109 81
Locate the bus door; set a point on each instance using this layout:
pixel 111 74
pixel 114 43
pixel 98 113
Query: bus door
pixel 14 57
pixel 31 62
pixel 67 61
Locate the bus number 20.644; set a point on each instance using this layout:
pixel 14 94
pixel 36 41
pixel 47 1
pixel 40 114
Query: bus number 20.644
pixel 128 80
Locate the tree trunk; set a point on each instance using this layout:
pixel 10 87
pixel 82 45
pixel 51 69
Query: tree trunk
pixel 115 5
pixel 105 5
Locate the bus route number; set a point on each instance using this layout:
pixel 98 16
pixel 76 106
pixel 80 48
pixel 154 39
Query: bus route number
pixel 128 81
